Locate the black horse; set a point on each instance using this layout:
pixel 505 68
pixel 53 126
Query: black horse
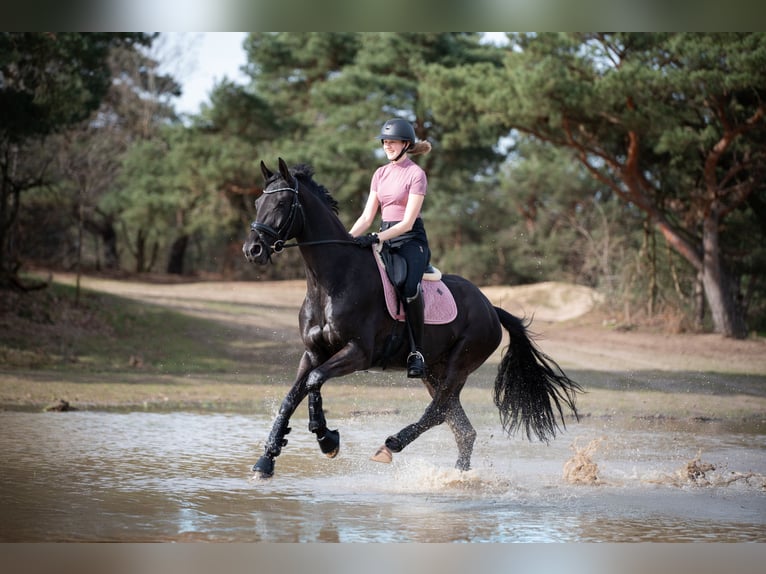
pixel 345 327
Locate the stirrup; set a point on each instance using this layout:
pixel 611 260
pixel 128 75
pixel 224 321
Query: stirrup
pixel 416 365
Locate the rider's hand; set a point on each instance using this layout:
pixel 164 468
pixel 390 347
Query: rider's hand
pixel 367 240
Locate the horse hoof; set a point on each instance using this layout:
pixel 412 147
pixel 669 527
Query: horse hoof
pixel 329 444
pixel 383 454
pixel 264 468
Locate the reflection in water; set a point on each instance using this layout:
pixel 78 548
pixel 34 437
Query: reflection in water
pixel 95 476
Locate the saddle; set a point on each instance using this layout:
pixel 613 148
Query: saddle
pixel 396 268
pixel 439 304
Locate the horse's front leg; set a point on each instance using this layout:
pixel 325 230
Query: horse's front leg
pixel 309 382
pixel 264 468
pixel 329 440
pixel 349 359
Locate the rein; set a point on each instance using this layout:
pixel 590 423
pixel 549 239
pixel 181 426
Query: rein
pixel 279 244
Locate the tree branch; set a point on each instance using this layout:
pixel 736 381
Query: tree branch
pixel 728 137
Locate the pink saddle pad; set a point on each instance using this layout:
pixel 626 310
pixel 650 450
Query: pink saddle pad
pixel 440 307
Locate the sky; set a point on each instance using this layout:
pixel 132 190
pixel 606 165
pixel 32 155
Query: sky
pixel 199 60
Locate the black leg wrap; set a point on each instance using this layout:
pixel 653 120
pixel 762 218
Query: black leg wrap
pixel 329 443
pixel 394 444
pixel 317 422
pixel 276 442
pixel 264 468
pixel 329 440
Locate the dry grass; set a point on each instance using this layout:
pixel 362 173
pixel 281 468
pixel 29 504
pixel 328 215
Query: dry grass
pixel 163 345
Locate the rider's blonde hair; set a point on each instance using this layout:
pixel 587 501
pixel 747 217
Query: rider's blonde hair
pixel 420 148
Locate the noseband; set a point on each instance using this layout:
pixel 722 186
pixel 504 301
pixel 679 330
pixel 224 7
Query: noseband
pixel 278 236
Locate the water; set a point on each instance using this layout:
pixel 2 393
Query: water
pixel 184 476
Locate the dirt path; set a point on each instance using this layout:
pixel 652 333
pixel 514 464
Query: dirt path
pixel 568 329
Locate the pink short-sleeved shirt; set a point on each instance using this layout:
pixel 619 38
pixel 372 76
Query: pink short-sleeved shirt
pixel 393 183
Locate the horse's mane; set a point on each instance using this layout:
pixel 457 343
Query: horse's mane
pixel 305 173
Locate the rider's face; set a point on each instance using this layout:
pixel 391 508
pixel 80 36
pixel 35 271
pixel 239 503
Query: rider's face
pixel 393 148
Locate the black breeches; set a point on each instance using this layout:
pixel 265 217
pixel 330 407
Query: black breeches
pixel 413 247
pixel 416 255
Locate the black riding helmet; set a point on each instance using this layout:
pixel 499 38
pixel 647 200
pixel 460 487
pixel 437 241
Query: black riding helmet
pixel 398 129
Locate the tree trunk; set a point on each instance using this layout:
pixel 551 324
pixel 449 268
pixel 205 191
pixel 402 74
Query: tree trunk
pixel 727 314
pixel 140 251
pixel 699 301
pixel 5 225
pixel 109 239
pixel 725 310
pixel 10 200
pixel 650 245
pixel 104 229
pixel 177 253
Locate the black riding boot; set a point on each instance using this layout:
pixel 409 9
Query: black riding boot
pixel 416 364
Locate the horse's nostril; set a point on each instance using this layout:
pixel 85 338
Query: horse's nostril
pixel 252 250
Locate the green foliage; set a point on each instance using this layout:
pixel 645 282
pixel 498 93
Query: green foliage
pixel 54 79
pixel 334 91
pixel 672 124
pixel 172 187
pixel 48 82
pixel 565 226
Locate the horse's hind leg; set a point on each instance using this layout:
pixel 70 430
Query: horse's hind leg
pixel 444 388
pixel 440 409
pixel 465 434
pixel 453 414
pixel 434 415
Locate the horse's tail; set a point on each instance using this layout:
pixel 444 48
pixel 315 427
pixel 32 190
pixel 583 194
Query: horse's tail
pixel 529 384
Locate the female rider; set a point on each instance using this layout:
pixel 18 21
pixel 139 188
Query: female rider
pixel 398 189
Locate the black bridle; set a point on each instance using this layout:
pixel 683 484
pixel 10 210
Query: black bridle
pixel 280 236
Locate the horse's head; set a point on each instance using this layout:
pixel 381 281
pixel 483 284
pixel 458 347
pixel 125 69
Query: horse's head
pixel 278 215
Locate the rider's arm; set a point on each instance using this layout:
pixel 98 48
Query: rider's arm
pixel 368 215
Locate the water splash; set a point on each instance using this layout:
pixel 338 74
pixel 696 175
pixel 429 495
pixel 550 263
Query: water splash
pixel 580 469
pixel 420 475
pixel 699 473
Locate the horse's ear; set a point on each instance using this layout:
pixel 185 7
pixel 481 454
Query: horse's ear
pixel 285 173
pixel 267 173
